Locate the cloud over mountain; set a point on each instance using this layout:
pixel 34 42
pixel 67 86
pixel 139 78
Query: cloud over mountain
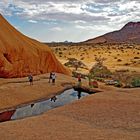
pixel 111 14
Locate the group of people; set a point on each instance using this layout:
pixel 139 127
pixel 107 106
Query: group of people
pixel 52 78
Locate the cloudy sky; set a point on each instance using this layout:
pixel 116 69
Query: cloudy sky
pixel 72 20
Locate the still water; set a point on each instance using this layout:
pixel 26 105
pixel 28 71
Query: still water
pixel 43 106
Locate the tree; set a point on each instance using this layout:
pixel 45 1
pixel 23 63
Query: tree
pixel 99 70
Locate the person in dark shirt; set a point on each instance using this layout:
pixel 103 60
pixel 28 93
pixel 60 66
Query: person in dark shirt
pixel 50 78
pixel 30 77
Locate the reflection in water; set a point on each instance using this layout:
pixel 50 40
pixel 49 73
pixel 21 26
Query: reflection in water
pixel 53 98
pixel 32 105
pixel 43 106
pixel 79 94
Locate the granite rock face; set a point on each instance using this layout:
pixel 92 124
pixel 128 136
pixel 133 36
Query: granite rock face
pixel 21 55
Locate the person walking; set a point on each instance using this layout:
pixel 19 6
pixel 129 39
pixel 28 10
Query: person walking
pixel 30 77
pixel 79 80
pixel 53 78
pixel 50 77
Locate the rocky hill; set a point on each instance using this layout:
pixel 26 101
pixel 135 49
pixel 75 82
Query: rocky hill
pixel 21 55
pixel 130 33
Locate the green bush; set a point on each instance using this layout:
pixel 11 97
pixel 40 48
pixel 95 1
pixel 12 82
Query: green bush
pixel 136 82
pixel 118 84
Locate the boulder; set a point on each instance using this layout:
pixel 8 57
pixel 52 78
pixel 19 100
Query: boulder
pixel 21 55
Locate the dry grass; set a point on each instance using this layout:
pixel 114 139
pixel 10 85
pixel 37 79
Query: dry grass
pixel 121 56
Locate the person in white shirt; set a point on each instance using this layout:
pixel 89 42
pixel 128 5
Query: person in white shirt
pixel 53 78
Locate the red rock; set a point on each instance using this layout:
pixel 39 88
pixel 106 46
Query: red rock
pixel 6 116
pixel 21 55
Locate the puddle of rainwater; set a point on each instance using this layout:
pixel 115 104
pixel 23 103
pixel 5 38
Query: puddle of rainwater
pixel 43 106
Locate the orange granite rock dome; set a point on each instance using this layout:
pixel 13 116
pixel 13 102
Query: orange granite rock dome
pixel 21 55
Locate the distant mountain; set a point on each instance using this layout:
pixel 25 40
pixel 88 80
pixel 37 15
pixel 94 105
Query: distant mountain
pixel 21 55
pixel 130 33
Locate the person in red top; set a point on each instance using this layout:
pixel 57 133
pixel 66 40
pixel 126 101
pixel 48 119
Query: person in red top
pixel 79 79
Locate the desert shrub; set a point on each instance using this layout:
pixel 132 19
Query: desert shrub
pixel 122 70
pixel 126 64
pixel 56 49
pixel 118 84
pixel 135 82
pixel 99 79
pixel 136 57
pixel 60 53
pixel 134 62
pixel 119 60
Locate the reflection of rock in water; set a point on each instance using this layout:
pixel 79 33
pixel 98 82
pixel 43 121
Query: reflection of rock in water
pixel 79 94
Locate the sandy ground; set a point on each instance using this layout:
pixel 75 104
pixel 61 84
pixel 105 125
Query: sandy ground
pixel 18 91
pixel 111 114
